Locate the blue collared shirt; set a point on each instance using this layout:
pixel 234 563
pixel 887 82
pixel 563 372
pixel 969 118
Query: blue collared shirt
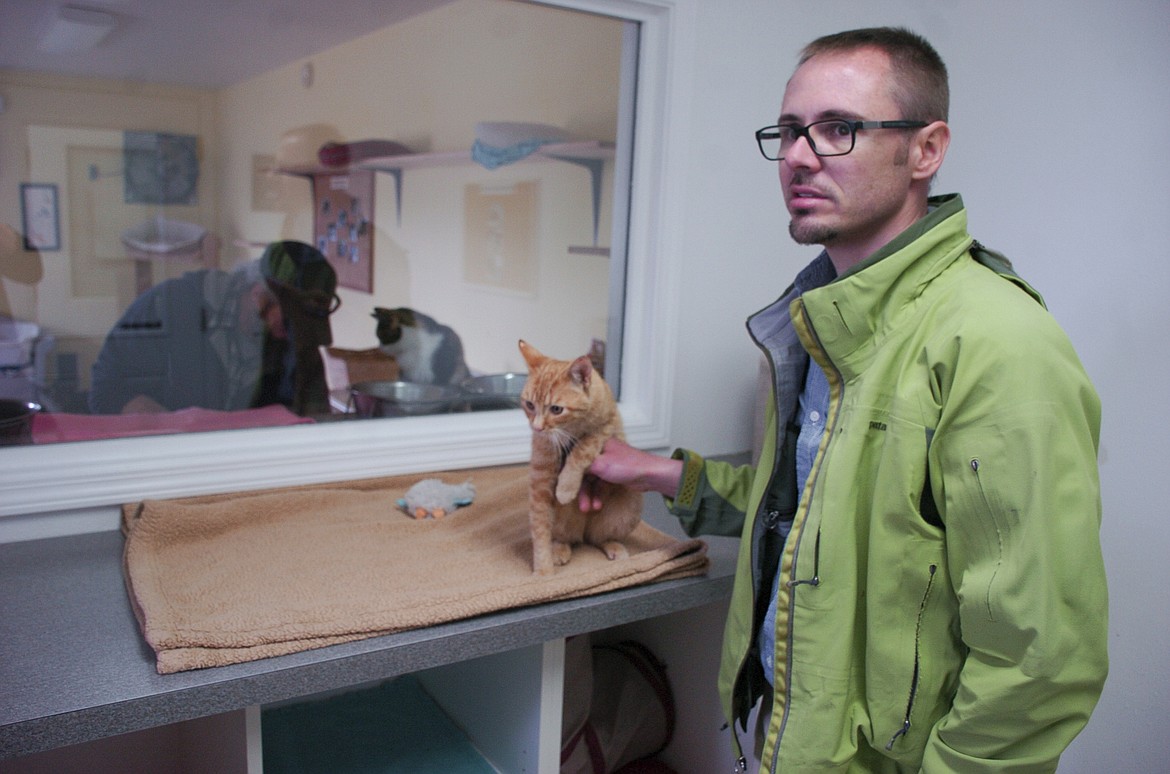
pixel 810 416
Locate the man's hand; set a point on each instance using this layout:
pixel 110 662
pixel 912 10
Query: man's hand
pixel 620 463
pixel 143 404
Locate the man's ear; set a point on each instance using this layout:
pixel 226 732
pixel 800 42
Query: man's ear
pixel 929 150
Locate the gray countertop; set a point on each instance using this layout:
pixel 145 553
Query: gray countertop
pixel 74 666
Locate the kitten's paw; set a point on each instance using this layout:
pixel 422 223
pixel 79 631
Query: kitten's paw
pixel 614 550
pixel 562 553
pixel 567 491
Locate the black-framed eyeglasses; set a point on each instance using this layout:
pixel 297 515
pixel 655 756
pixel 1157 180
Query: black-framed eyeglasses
pixel 831 137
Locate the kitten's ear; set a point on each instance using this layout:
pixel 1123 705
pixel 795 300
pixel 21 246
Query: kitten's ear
pixel 379 312
pixel 582 371
pixel 531 354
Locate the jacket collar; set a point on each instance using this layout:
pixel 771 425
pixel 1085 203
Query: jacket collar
pixel 846 314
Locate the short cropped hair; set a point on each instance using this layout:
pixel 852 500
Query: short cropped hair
pixel 920 88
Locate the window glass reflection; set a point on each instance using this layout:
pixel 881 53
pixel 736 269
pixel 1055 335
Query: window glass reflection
pixel 455 168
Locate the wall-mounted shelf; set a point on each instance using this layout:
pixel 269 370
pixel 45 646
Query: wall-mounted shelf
pixel 590 154
pixel 602 252
pixel 585 149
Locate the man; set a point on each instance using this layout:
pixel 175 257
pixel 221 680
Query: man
pixel 16 265
pixel 223 340
pixel 920 583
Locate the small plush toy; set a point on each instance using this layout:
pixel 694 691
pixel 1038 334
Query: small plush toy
pixel 431 497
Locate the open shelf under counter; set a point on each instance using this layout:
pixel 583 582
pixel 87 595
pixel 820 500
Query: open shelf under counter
pixel 76 670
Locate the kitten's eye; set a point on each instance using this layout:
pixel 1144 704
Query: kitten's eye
pixel 528 406
pixel 556 410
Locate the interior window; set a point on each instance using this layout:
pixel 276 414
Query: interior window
pixel 251 219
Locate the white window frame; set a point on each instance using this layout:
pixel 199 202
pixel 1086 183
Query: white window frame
pixel 65 477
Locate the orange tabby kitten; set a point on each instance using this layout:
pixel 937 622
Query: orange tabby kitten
pixel 572 413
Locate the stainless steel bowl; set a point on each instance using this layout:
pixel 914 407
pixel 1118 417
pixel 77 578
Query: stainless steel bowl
pixel 494 391
pixel 401 399
pixel 16 421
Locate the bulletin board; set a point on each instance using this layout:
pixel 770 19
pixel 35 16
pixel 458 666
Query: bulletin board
pixel 343 225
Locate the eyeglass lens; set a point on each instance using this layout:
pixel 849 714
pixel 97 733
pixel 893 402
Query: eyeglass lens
pixel 828 138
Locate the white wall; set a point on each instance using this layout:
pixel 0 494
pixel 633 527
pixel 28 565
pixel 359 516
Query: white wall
pixel 1058 114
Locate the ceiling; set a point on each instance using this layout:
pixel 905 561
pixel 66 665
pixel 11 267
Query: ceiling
pixel 201 43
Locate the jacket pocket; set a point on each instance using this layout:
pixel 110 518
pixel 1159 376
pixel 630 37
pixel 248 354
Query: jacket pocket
pixel 916 672
pixel 912 651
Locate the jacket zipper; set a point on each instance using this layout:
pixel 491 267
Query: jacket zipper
pixel 741 763
pixel 998 535
pixel 769 518
pixel 917 660
pixel 815 580
pixel 819 462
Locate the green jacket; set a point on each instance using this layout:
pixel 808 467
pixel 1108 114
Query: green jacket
pixel 942 604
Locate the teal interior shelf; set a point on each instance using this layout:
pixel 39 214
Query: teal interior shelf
pixel 393 727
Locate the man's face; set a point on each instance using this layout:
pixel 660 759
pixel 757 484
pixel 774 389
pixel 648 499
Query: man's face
pixel 268 311
pixel 856 203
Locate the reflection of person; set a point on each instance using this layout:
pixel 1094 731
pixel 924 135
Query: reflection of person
pixel 920 583
pixel 223 340
pixel 17 265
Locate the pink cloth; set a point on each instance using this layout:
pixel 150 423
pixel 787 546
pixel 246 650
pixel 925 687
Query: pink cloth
pixel 57 428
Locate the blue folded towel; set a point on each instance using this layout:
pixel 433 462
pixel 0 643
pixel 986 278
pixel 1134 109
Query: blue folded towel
pixel 492 157
pixel 502 142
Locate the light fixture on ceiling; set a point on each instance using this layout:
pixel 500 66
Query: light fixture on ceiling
pixel 76 29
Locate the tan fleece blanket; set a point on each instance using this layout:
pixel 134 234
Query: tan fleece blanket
pixel 230 578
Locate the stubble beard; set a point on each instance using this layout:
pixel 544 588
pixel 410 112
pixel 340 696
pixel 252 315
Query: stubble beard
pixel 811 233
pixel 803 229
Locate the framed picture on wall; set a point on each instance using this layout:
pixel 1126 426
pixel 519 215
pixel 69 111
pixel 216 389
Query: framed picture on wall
pixel 40 216
pixel 160 168
pixel 500 236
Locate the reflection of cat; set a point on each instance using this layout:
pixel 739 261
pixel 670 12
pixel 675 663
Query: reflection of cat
pixel 572 413
pixel 426 350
